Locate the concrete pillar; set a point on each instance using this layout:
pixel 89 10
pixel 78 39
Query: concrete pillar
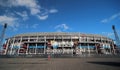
pixel 7 45
pixel 114 51
pixel 27 48
pixel 45 44
pixel 35 48
pixel 89 49
pixel 12 46
pixel 20 44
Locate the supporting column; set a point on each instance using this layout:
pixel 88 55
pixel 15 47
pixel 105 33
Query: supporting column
pixel 96 48
pixel 89 49
pixel 35 48
pixel 62 46
pixel 71 43
pixel 79 37
pixel 20 45
pixel 27 48
pixel 80 49
pixel 53 47
pixel 12 46
pixel 45 45
pixel 110 48
pixel 8 42
pixel 113 49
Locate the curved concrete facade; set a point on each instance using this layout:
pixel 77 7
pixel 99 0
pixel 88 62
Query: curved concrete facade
pixel 57 43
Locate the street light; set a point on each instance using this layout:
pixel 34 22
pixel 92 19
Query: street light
pixel 2 36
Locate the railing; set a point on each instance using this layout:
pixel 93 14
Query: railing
pixel 36 46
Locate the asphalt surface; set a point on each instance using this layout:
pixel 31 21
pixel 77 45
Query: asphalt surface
pixel 85 63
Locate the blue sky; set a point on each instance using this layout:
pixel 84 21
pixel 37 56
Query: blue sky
pixel 86 16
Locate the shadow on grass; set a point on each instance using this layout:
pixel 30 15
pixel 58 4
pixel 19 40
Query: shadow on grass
pixel 116 64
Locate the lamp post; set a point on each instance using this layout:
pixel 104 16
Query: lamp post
pixel 2 36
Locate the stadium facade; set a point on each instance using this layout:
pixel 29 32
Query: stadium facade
pixel 58 43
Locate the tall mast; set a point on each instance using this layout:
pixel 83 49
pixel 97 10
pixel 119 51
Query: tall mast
pixel 116 36
pixel 2 35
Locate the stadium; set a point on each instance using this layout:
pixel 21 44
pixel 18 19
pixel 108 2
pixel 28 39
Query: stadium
pixel 58 43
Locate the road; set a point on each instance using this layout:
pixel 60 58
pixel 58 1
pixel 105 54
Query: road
pixel 83 63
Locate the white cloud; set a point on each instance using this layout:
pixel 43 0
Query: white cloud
pixel 32 5
pixel 35 26
pixel 30 26
pixel 62 27
pixel 59 30
pixel 11 21
pixel 104 20
pixel 29 4
pixel 34 11
pixel 7 19
pixel 42 17
pixel 111 18
pixel 24 15
pixel 108 34
pixel 5 3
pixel 53 11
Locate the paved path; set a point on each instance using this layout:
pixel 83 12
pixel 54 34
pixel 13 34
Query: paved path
pixel 60 64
